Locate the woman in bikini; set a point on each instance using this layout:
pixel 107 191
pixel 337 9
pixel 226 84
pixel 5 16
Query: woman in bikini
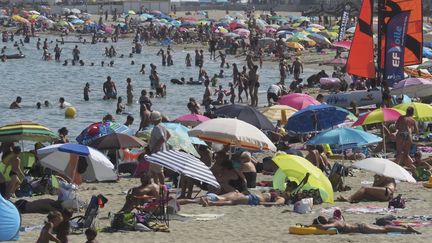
pixel 406 126
pixel 382 190
pixel 347 228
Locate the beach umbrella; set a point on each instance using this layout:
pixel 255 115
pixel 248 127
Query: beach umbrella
pixel 131 12
pixel 344 137
pixel 77 21
pixel 319 38
pixel 66 10
pixel 20 19
pixel 329 34
pixel 179 140
pixel 26 131
pixel 156 12
pixel 379 115
pixel 295 169
pixel 242 32
pixel 343 44
pixel 414 87
pixel 72 17
pixel 316 118
pixel 34 12
pixel 312 30
pixel 297 101
pixel 41 18
pixel 117 141
pixel 279 112
pixel 75 11
pixel 351 30
pixel 335 62
pixel 233 132
pixel 294 39
pixel 245 113
pixel 100 129
pixel 295 45
pixel 147 16
pixel 386 168
pixel 68 158
pixel 189 19
pixel 184 164
pixel 231 35
pixel 317 26
pixel 422 112
pixel 191 119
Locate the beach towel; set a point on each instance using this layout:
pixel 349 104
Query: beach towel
pixel 197 217
pixel 368 209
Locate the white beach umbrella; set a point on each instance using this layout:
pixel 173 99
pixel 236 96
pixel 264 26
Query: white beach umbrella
pixel 64 159
pixel 386 168
pixel 232 132
pixel 75 11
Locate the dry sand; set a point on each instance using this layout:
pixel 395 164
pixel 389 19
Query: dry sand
pixel 244 223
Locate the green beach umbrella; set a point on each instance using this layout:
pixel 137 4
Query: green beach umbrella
pixel 26 131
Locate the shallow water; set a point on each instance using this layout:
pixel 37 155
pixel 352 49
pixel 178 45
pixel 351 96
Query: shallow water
pixel 36 80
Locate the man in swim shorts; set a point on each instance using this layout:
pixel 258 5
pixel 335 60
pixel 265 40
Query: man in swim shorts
pixel 109 89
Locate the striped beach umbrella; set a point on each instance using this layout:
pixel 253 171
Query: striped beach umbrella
pixel 184 164
pixel 378 116
pixel 26 131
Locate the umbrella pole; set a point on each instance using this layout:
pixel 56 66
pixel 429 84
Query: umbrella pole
pixel 384 142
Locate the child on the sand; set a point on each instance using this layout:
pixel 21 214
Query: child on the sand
pixel 91 235
pixel 46 234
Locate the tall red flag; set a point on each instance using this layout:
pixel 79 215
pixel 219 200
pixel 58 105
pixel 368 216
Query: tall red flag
pixel 361 57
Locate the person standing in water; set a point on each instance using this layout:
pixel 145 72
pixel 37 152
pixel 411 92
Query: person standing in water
pixel 86 92
pixel 297 68
pixel 169 59
pixel 222 57
pixel 129 90
pixel 253 85
pixel 120 106
pixel 16 103
pixel 163 55
pixel 75 53
pixel 188 60
pixel 57 52
pixel 109 89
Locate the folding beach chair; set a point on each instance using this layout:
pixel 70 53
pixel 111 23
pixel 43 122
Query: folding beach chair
pixel 79 223
pixel 157 210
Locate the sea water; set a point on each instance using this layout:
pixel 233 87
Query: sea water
pixel 36 80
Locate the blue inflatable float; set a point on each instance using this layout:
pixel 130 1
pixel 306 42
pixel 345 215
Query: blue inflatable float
pixel 10 220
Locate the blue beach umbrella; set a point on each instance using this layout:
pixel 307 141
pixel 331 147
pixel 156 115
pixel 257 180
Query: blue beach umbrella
pixel 315 118
pixel 344 137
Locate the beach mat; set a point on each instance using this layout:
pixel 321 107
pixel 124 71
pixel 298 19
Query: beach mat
pixel 197 217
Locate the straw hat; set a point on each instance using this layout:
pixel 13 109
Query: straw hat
pixel 155 116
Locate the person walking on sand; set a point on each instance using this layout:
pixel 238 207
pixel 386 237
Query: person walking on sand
pixel 406 126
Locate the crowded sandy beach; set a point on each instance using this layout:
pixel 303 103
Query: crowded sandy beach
pixel 215 126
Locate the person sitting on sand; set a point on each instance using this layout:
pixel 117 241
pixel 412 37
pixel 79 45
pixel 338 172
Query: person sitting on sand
pixel 147 191
pixel 382 190
pixel 46 234
pixel 347 228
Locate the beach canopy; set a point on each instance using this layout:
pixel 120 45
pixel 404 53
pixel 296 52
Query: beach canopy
pixel 343 44
pixel 413 87
pixel 316 118
pixel 233 132
pixel 279 112
pixel 344 137
pixel 26 131
pixel 245 113
pixel 298 101
pixel 184 164
pixel 99 129
pixel 386 168
pixel 117 141
pixel 422 111
pixel 191 119
pixel 10 222
pixel 68 158
pixel 295 169
pixel 379 115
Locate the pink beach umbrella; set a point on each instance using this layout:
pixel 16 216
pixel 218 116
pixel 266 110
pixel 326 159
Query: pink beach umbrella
pixel 242 32
pixel 344 44
pixel 156 12
pixel 191 119
pixel 379 115
pixel 298 101
pixel 270 30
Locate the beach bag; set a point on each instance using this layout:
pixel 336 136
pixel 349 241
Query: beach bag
pixel 422 174
pixel 25 189
pixel 397 202
pixel 386 220
pixel 303 206
pixel 123 221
